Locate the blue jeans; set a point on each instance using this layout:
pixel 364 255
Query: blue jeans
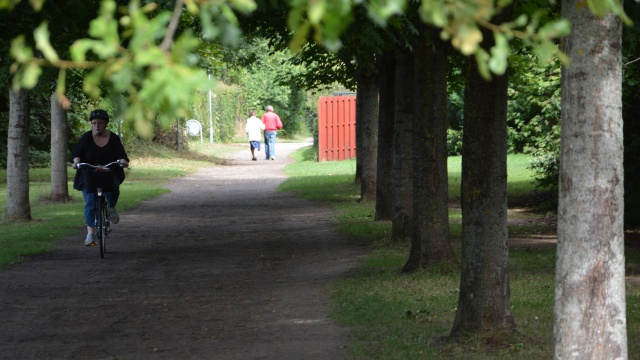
pixel 91 198
pixel 270 143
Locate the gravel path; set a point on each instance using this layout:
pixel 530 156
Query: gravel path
pixel 222 267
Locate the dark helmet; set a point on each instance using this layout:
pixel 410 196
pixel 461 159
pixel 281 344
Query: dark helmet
pixel 99 114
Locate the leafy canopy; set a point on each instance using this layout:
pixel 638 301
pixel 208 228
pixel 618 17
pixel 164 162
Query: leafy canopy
pixel 131 49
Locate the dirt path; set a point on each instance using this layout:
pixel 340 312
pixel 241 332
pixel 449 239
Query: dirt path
pixel 223 267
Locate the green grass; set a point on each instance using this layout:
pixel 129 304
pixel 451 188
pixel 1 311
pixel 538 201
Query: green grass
pixel 151 167
pixel 409 316
pixel 520 180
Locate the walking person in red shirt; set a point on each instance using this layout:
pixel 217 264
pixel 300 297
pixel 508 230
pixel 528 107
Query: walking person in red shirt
pixel 272 124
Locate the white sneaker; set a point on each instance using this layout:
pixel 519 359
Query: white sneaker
pixel 90 240
pixel 273 158
pixel 113 215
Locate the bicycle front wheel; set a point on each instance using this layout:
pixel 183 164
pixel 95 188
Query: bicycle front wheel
pixel 102 225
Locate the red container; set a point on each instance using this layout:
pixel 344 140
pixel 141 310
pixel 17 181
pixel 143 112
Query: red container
pixel 336 128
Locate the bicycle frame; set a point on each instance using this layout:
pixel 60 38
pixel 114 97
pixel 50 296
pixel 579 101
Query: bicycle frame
pixel 102 221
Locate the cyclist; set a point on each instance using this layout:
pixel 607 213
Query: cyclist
pixel 99 146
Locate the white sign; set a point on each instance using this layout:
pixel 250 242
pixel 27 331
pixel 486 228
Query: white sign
pixel 193 127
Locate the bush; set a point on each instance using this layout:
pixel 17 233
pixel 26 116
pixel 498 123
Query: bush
pixel 454 142
pixel 39 158
pixel 545 160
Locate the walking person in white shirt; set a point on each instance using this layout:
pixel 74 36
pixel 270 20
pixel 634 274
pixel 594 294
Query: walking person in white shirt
pixel 253 130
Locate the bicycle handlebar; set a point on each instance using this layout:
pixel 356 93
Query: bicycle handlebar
pixel 100 167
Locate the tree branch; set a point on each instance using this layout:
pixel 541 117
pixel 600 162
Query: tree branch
pixel 631 62
pixel 167 42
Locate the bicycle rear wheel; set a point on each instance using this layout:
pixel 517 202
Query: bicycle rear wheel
pixel 102 225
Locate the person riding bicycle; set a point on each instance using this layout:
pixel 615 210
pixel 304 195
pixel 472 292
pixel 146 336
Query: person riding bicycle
pixel 99 146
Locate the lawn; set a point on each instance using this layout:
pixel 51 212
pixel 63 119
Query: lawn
pixel 409 316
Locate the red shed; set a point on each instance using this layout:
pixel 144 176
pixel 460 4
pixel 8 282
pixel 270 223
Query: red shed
pixel 336 128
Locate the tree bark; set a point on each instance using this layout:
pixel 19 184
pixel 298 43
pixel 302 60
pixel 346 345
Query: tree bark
pixel 484 300
pixel 18 207
pixel 384 167
pixel 367 153
pixel 359 121
pixel 590 310
pixel 401 222
pixel 59 179
pixel 430 243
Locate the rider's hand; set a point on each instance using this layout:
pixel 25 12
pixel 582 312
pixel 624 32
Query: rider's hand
pixel 123 162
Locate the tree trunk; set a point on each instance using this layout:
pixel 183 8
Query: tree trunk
pixel 590 310
pixel 430 242
pixel 484 300
pixel 384 186
pixel 59 180
pixel 359 111
pixel 368 86
pixel 401 225
pixel 18 208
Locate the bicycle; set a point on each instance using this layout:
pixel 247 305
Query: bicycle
pixel 99 179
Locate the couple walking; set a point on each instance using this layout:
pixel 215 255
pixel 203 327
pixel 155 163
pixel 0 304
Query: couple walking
pixel 270 123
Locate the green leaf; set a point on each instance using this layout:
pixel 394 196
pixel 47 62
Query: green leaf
pixel 152 56
pixel 122 79
pixel 62 82
pixel 599 7
pixel 243 6
pixel 229 15
pixel 499 54
pixel 545 51
pixel 19 49
pixel 299 37
pixel 434 12
pixel 36 4
pixel 522 20
pixel 30 75
pixel 381 10
pixel 8 4
pixel 41 35
pixel 91 84
pixel 209 30
pixel 79 48
pixel 603 7
pixel 316 11
pixel 143 128
pixel 555 29
pixel 482 60
pixel 467 38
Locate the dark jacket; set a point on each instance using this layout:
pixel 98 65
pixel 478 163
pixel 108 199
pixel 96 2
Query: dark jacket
pixel 88 152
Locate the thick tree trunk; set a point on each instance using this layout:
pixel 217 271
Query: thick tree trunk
pixel 368 85
pixel 18 208
pixel 59 180
pixel 590 313
pixel 384 168
pixel 484 300
pixel 401 222
pixel 430 243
